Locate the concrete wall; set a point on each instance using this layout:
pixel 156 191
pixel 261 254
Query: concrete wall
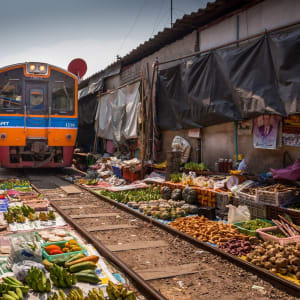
pixel 218 141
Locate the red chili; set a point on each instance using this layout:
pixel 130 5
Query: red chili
pixel 55 251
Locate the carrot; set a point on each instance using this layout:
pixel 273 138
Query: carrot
pixel 92 258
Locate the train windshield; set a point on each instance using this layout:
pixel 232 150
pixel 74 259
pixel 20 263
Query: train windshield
pixel 11 91
pixel 63 94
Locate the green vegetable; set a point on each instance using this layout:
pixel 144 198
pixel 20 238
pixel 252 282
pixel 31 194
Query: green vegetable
pixel 176 177
pixel 252 225
pixel 84 277
pixel 83 266
pixel 189 195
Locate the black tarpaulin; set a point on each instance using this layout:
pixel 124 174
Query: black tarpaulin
pixel 87 110
pixel 230 84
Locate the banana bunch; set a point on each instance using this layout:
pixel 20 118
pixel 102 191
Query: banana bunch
pixel 26 210
pixel 37 280
pixel 12 289
pixel 118 292
pixel 11 295
pixel 59 296
pixel 94 294
pixel 61 278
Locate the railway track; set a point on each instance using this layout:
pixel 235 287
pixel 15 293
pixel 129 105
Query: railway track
pixel 162 264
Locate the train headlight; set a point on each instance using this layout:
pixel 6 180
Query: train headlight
pixel 68 136
pixel 37 68
pixel 42 68
pixel 32 67
pixel 3 136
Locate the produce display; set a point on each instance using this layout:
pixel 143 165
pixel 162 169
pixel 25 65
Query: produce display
pixel 277 258
pixel 20 213
pixel 37 281
pixel 192 166
pixel 208 231
pixel 114 291
pixel 176 177
pixel 61 278
pixel 237 247
pixel 252 225
pixel 275 188
pixel 152 193
pixel 15 184
pixel 11 287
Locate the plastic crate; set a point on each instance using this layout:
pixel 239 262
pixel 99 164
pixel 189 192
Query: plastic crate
pixel 263 233
pixel 117 171
pixel 250 232
pixel 132 176
pixel 257 210
pixel 273 198
pixel 63 255
pixel 274 211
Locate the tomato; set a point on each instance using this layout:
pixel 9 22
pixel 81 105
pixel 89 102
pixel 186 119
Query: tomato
pixel 52 247
pixel 55 251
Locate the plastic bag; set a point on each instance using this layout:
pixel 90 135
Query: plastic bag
pixel 182 145
pixel 238 214
pixel 21 268
pixel 291 172
pixel 25 246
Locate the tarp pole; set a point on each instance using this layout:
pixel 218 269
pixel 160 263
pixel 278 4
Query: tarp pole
pixel 236 122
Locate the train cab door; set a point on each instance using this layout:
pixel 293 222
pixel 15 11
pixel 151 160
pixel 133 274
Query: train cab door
pixel 36 105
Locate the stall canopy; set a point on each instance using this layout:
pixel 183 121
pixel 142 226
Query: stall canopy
pixel 230 84
pixel 117 114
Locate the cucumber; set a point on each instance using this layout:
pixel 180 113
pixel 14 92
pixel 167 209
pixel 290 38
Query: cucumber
pixel 83 266
pixel 83 277
pixel 74 257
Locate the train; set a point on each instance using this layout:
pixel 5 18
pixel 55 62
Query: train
pixel 38 116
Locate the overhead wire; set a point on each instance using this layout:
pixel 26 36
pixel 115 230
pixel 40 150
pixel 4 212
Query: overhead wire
pixel 132 26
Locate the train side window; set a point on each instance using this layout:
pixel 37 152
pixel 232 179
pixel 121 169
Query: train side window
pixel 62 99
pixel 11 95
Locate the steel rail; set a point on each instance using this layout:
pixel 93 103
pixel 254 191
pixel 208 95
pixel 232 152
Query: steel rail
pixel 279 282
pixel 146 289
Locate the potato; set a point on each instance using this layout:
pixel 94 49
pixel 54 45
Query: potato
pixel 268 265
pixel 294 260
pixel 281 262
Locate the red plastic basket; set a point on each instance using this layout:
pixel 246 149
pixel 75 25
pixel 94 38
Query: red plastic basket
pixel 132 176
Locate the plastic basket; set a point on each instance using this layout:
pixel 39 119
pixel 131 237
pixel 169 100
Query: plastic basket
pixel 130 175
pixel 257 210
pixel 274 211
pixel 263 233
pixel 63 255
pixel 250 232
pixel 243 196
pixel 273 198
pixel 117 171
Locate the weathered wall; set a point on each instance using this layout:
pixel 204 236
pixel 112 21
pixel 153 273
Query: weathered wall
pixel 218 141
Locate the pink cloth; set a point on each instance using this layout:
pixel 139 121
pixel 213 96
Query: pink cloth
pixel 291 172
pixel 110 148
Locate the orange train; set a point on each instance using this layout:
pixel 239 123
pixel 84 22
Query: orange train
pixel 38 116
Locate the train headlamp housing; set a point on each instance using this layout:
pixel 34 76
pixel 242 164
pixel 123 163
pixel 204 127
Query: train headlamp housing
pixel 37 68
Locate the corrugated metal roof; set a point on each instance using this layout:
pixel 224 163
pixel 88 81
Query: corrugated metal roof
pixel 181 28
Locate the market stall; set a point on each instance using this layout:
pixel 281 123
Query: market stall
pixel 42 256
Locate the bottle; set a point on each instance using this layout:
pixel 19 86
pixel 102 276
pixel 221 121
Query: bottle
pixel 221 165
pixel 230 164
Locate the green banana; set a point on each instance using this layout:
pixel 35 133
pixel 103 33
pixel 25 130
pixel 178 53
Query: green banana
pixel 13 294
pixel 61 294
pixel 19 293
pixel 8 297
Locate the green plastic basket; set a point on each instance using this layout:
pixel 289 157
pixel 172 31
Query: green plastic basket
pixel 250 232
pixel 63 255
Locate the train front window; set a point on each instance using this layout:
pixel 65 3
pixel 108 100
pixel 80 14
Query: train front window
pixel 11 91
pixel 62 98
pixel 36 98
